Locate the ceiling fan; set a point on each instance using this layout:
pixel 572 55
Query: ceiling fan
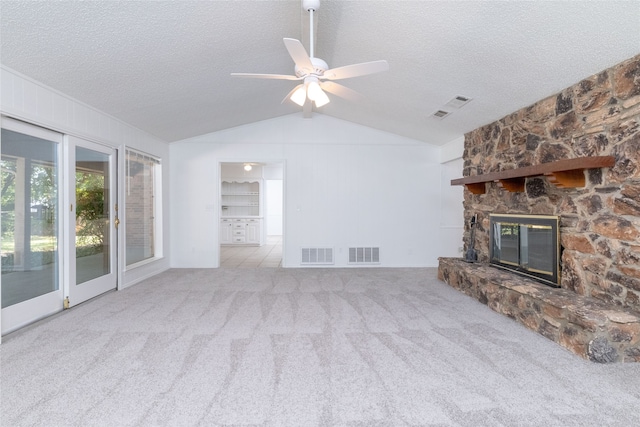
pixel 315 74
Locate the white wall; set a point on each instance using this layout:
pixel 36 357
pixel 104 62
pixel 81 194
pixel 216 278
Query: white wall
pixel 452 197
pixel 274 198
pixel 345 185
pixel 28 100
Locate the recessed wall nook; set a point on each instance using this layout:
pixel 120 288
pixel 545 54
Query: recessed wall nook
pixel 575 155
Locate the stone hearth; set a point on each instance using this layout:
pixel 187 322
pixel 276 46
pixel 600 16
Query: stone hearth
pixel 586 326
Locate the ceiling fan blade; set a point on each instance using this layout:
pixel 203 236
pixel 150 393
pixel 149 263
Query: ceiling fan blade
pixel 267 76
pixel 291 93
pixel 341 91
pixel 298 54
pixel 356 70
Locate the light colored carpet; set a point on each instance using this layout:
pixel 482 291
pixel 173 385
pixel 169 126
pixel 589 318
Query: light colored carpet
pixel 301 347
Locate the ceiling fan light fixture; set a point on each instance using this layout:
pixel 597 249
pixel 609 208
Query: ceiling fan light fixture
pixel 313 88
pixel 299 96
pixel 321 99
pixel 315 92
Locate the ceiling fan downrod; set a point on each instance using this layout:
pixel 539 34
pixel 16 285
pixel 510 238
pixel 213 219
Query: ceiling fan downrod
pixel 311 6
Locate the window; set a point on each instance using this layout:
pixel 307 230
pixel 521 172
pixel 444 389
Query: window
pixel 142 203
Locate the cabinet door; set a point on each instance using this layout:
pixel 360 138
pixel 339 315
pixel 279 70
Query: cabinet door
pixel 253 232
pixel 225 233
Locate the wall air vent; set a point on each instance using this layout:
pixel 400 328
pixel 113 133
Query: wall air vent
pixel 317 256
pixel 459 101
pixel 364 255
pixel 440 114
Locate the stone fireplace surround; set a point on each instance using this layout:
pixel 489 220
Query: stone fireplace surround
pixel 596 312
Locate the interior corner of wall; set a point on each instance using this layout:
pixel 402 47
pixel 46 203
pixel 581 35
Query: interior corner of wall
pixel 452 150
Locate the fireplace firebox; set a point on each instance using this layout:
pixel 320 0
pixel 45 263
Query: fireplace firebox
pixel 526 244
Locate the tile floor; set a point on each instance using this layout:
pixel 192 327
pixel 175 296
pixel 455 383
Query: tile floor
pixel 267 255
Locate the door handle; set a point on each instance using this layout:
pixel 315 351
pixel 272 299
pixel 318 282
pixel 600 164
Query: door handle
pixel 117 222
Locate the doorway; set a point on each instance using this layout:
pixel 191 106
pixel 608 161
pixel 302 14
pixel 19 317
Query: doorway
pixel 251 197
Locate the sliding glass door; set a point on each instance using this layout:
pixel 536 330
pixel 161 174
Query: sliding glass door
pixel 52 256
pixel 31 226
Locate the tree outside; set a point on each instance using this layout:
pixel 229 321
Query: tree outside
pixel 91 217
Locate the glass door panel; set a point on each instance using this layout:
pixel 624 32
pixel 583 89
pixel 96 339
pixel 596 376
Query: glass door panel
pixel 31 228
pixel 92 189
pixel 93 258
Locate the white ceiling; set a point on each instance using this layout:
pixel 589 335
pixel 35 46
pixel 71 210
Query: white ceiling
pixel 163 66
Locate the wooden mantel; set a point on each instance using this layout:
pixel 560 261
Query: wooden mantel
pixel 566 173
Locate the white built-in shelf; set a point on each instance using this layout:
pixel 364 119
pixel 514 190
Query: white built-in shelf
pixel 240 198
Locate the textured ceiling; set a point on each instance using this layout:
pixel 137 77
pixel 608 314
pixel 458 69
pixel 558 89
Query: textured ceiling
pixel 164 66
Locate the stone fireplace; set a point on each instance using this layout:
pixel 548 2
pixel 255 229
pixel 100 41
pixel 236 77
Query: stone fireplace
pixel 595 312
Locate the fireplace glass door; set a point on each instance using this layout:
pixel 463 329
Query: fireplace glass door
pixel 526 244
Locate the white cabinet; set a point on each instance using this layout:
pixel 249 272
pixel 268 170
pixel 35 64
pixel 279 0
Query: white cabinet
pixel 241 216
pixel 241 231
pixel 225 232
pixel 252 233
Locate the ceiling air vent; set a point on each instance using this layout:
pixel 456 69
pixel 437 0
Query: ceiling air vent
pixel 440 114
pixel 459 101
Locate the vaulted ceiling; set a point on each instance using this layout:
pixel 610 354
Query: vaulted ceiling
pixel 164 66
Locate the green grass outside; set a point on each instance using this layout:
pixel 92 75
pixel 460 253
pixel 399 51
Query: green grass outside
pixel 42 243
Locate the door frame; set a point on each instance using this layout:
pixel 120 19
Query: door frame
pixel 218 216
